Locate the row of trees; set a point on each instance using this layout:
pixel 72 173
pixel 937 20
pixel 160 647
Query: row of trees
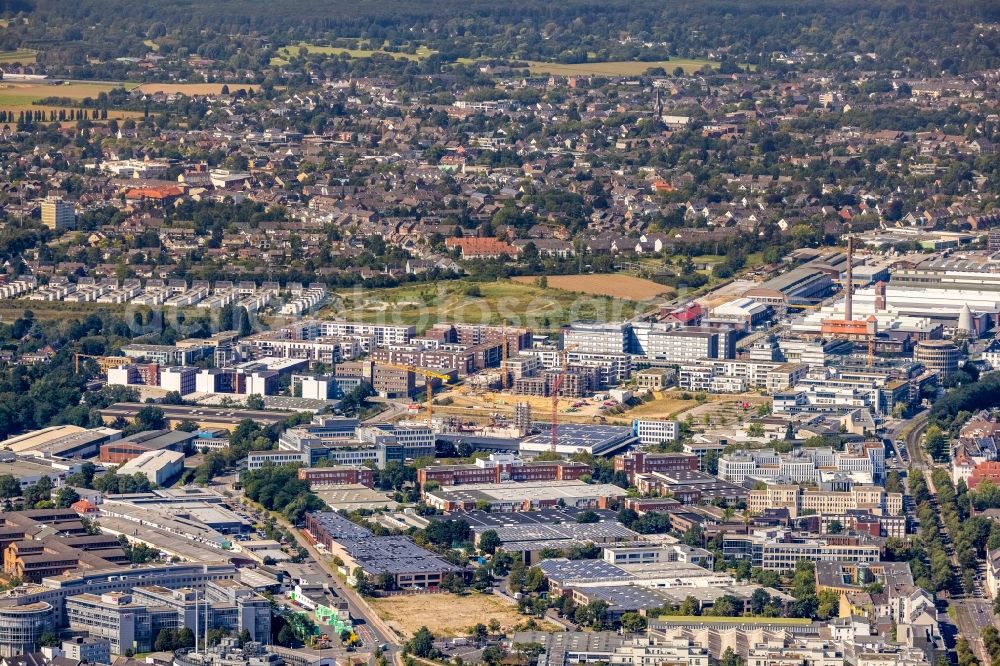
pixel 926 553
pixel 278 488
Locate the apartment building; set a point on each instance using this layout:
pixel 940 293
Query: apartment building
pixel 58 215
pixel 462 359
pixel 377 335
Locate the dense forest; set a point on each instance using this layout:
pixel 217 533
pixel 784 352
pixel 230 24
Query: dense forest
pixel 68 34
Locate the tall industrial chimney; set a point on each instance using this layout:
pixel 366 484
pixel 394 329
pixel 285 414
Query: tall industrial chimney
pixel 849 286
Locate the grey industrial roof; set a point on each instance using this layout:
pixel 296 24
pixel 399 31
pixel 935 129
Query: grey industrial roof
pixel 338 527
pixel 595 532
pixel 560 569
pixel 483 520
pixel 395 554
pixel 585 435
pixel 160 439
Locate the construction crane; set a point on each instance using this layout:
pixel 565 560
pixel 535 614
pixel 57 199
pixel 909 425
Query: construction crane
pixel 105 363
pixel 563 366
pixel 503 361
pixel 428 375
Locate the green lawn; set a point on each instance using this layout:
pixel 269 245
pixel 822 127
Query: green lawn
pixel 287 52
pixel 502 301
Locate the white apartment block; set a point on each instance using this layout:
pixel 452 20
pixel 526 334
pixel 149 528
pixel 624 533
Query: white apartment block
pixel 732 375
pixel 381 335
pixel 598 338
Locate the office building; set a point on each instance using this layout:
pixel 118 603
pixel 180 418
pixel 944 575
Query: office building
pixel 941 356
pixel 778 549
pixel 338 475
pixel 641 462
pixel 500 467
pixel 89 649
pixel 800 500
pixel 655 431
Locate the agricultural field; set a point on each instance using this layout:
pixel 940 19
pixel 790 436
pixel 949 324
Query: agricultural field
pixel 605 284
pixel 22 56
pixel 14 95
pixel 616 68
pixel 515 303
pixel 192 88
pixel 287 52
pixel 447 614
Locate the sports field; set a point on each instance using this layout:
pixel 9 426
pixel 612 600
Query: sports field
pixel 604 284
pixel 617 68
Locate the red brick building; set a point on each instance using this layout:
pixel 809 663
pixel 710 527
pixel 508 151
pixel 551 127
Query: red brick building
pixel 640 462
pixel 499 468
pixel 338 475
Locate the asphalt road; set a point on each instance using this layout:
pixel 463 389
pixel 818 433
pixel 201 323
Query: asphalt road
pixel 973 612
pixel 373 631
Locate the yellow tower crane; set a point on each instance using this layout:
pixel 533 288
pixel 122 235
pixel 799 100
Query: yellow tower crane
pixel 428 375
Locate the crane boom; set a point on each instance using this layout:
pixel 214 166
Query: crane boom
pixel 427 375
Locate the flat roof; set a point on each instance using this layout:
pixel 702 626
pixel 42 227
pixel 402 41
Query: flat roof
pixel 151 462
pixel 197 413
pixel 395 554
pixel 352 496
pixel 520 491
pixel 160 439
pixel 59 440
pixel 484 520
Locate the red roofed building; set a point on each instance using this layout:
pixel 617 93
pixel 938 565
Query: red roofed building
pixel 161 194
pixel 987 470
pixel 687 315
pixel 84 507
pixel 482 248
